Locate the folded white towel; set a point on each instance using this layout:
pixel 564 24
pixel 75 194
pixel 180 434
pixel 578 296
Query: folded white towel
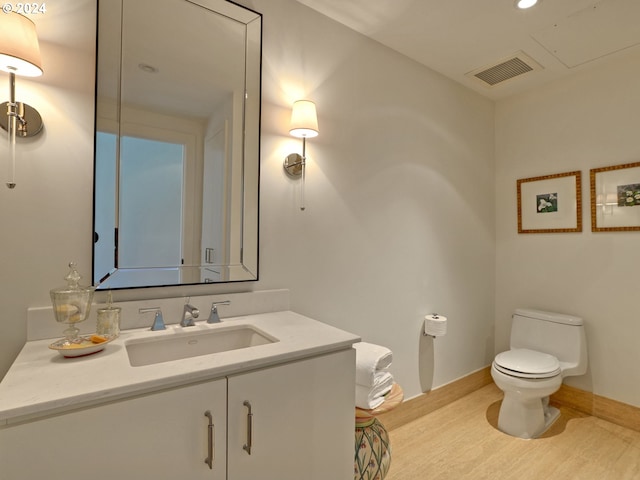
pixel 370 359
pixel 371 397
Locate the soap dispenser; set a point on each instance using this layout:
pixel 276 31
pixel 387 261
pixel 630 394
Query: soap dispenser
pixel 71 303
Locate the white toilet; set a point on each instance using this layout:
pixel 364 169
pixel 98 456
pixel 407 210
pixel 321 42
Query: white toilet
pixel 545 348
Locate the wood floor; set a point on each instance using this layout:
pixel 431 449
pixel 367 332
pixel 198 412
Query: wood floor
pixel 461 441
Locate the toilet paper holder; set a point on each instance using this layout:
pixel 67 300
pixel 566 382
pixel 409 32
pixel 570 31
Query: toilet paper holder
pixel 435 325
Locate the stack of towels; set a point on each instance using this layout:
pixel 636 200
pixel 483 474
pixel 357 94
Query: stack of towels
pixel 373 379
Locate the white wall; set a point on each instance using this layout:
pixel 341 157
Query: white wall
pixel 584 122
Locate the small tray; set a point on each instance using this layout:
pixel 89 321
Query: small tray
pixel 82 346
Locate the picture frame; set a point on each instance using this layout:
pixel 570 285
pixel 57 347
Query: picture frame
pixel 550 203
pixel 615 198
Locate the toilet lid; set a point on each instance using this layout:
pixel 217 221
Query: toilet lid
pixel 525 363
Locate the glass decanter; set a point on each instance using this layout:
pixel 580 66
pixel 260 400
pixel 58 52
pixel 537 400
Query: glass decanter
pixel 71 304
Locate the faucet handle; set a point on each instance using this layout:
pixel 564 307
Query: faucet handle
pixel 213 316
pixel 158 321
pixel 188 308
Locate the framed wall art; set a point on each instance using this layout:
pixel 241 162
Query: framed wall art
pixel 615 198
pixel 550 204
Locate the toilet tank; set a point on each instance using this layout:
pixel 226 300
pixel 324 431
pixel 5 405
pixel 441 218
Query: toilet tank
pixel 560 335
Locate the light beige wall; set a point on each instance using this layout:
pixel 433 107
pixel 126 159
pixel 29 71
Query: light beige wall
pixel 46 221
pixel 399 220
pixel 584 122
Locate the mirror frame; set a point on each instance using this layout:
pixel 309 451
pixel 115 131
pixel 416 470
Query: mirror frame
pixel 246 269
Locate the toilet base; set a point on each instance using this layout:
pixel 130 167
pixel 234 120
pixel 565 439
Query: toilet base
pixel 526 418
pixel 550 417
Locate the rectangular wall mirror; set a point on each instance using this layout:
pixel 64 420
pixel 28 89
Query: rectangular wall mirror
pixel 177 143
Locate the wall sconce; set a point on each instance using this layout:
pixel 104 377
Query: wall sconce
pixel 19 55
pixel 304 124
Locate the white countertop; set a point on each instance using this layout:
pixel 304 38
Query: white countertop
pixel 41 382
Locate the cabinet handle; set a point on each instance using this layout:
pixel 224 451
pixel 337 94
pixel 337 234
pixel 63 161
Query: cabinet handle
pixel 211 439
pixel 247 446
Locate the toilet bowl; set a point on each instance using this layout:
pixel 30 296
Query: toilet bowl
pixel 525 410
pixel 545 347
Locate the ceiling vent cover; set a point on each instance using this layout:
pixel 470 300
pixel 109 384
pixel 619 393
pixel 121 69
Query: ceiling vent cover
pixel 507 69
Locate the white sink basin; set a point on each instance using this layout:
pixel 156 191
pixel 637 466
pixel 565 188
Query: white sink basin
pixel 187 344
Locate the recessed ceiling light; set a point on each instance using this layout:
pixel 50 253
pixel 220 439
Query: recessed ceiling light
pixel 523 4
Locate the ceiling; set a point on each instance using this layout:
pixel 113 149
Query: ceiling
pixel 459 38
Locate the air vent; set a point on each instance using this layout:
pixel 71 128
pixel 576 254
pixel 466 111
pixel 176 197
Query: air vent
pixel 507 69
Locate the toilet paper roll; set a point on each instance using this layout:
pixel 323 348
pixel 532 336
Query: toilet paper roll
pixel 435 325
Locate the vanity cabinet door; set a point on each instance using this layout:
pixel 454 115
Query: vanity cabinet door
pixel 161 436
pixel 301 423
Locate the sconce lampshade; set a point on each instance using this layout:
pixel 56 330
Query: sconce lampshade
pixel 304 121
pixel 19 49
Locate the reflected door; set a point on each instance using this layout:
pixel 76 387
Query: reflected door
pixel 215 218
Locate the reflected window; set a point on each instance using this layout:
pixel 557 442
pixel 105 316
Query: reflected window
pixel 150 215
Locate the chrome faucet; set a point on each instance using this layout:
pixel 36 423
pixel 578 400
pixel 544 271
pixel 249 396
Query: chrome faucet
pixel 158 321
pixel 213 316
pixel 189 314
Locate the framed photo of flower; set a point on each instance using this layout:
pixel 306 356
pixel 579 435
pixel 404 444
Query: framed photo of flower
pixel 615 198
pixel 550 204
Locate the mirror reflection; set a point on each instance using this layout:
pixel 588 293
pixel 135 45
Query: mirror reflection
pixel 177 143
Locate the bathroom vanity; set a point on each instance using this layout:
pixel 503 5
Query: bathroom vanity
pixel 280 409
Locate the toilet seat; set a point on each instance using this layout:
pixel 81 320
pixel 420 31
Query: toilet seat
pixel 524 363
